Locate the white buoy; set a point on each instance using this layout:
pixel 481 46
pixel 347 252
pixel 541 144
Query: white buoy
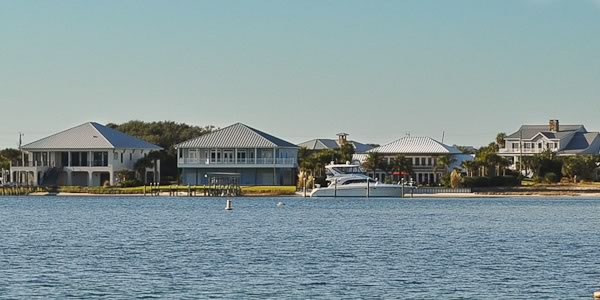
pixel 280 204
pixel 228 206
pixel 597 295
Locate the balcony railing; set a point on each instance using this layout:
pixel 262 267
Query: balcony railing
pixel 526 150
pixel 246 161
pixel 94 163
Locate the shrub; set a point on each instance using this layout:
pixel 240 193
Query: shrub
pixel 130 183
pixel 551 177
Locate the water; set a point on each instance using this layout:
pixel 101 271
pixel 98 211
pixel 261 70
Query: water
pixel 177 248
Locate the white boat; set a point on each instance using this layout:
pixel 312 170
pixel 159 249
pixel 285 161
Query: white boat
pixel 347 180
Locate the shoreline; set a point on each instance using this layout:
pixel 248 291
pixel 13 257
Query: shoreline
pixel 415 196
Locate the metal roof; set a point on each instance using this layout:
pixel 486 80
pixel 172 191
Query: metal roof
pixel 528 132
pixel 416 145
pixel 583 143
pixel 321 144
pixel 236 136
pixel 90 136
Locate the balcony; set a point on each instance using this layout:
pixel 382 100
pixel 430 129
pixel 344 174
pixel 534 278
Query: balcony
pixel 241 163
pixel 525 150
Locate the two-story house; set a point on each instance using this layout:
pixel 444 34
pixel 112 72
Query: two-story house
pixel 561 139
pixel 422 153
pixel 257 157
pixel 86 155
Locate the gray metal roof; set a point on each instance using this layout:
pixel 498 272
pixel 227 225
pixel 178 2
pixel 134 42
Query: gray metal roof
pixel 90 136
pixel 528 132
pixel 416 145
pixel 236 136
pixel 583 143
pixel 321 144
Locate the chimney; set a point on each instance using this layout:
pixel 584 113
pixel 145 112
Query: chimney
pixel 342 138
pixel 554 126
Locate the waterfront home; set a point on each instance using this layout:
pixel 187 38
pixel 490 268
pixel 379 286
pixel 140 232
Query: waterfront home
pixel 422 153
pixel 258 158
pixel 564 140
pixel 86 155
pixel 342 138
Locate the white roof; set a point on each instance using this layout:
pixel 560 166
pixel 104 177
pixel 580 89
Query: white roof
pixel 416 145
pixel 90 136
pixel 236 136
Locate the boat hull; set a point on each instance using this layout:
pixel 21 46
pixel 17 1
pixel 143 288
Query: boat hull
pixel 389 191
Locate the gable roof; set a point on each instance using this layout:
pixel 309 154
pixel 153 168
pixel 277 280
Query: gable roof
pixel 90 135
pixel 321 144
pixel 528 132
pixel 236 136
pixel 411 144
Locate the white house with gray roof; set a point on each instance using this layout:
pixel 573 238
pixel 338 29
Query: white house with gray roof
pixel 561 139
pixel 422 152
pixel 259 158
pixel 86 155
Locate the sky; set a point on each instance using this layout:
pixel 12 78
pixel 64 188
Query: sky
pixel 378 70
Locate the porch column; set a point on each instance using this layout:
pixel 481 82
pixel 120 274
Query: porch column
pixel 255 155
pixel 69 174
pixel 35 179
pixel 89 159
pixel 112 178
pixel 235 155
pixel 69 160
pixel 274 156
pixel 90 178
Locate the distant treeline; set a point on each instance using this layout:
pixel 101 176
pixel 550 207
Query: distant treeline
pixel 166 134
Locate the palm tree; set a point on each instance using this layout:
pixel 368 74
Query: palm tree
pixel 500 140
pixel 470 166
pixel 402 165
pixel 373 162
pixel 444 162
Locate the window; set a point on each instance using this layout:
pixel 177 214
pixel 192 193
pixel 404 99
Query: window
pixel 423 161
pixel 121 157
pixel 100 159
pixel 417 161
pixel 130 156
pixel 515 145
pixel 540 145
pixel 241 156
pixel 430 161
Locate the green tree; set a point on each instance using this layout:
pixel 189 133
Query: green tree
pixel 345 152
pixel 443 163
pixel 166 134
pixel 580 167
pixel 373 162
pixel 7 156
pixel 500 140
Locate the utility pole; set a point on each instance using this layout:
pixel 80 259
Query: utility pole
pixel 521 151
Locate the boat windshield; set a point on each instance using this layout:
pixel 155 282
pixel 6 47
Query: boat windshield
pixel 354 181
pixel 348 170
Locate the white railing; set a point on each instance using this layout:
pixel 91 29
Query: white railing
pixel 247 161
pixel 525 150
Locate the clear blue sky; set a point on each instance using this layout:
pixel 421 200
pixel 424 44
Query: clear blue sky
pixel 301 69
